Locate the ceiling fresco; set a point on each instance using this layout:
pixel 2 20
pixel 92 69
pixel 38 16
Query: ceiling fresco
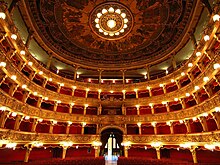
pixel 154 28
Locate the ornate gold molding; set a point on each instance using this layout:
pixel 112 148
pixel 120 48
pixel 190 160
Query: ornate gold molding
pixel 26 137
pixel 197 139
pixel 19 107
pixel 180 93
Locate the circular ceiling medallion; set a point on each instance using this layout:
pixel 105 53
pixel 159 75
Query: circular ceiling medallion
pixel 111 21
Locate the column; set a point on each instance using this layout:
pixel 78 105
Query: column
pixel 83 126
pixel 55 106
pixel 123 76
pixel 4 34
pixel 168 107
pixel 18 120
pixel 171 128
pixel 58 89
pixel 155 129
pixel 70 108
pixel 49 61
pixel 150 92
pixel 208 90
pixel 100 75
pixel 68 128
pixel 84 111
pixel 39 101
pixel 97 129
pixel 51 128
pixel 210 54
pixel 34 125
pixel 183 103
pixel 158 152
pixel 152 109
pixel 73 90
pixel 21 65
pixel 202 120
pixel 3 118
pixel 99 94
pixel 123 108
pixel 97 150
pixel 31 76
pixel 126 151
pixel 125 129
pixel 124 94
pixel 64 152
pixel 173 61
pixel 136 93
pixel 200 66
pixel 30 37
pixel 190 76
pixel 100 109
pixel 2 78
pixel 138 109
pixel 139 128
pixel 10 55
pixel 75 73
pixel 164 89
pixel 178 84
pixel 216 116
pixel 193 152
pixel 27 153
pixel 44 83
pixel 148 71
pixel 217 79
pixel 87 91
pixel 25 96
pixel 196 97
pixel 12 89
pixel 187 123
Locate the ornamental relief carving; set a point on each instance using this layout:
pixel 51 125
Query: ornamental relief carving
pixel 15 105
pixel 177 139
pixel 62 19
pixel 22 79
pixel 24 137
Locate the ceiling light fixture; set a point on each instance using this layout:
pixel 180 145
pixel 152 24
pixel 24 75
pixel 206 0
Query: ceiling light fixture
pixel 2 15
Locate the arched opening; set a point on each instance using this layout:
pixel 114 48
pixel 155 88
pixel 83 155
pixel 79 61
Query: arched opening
pixel 111 139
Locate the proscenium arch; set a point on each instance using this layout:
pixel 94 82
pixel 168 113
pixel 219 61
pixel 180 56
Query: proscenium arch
pixel 105 135
pixel 122 129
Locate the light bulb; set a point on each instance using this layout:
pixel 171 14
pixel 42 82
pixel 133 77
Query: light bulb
pixel 118 11
pixel 206 37
pixel 216 17
pixel 104 11
pixel 111 10
pixel 123 15
pixel 2 15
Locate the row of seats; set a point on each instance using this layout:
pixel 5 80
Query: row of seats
pixel 144 161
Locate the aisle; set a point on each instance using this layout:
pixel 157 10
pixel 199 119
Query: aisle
pixel 111 160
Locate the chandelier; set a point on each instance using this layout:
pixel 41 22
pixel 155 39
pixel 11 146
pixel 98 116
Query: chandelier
pixel 111 21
